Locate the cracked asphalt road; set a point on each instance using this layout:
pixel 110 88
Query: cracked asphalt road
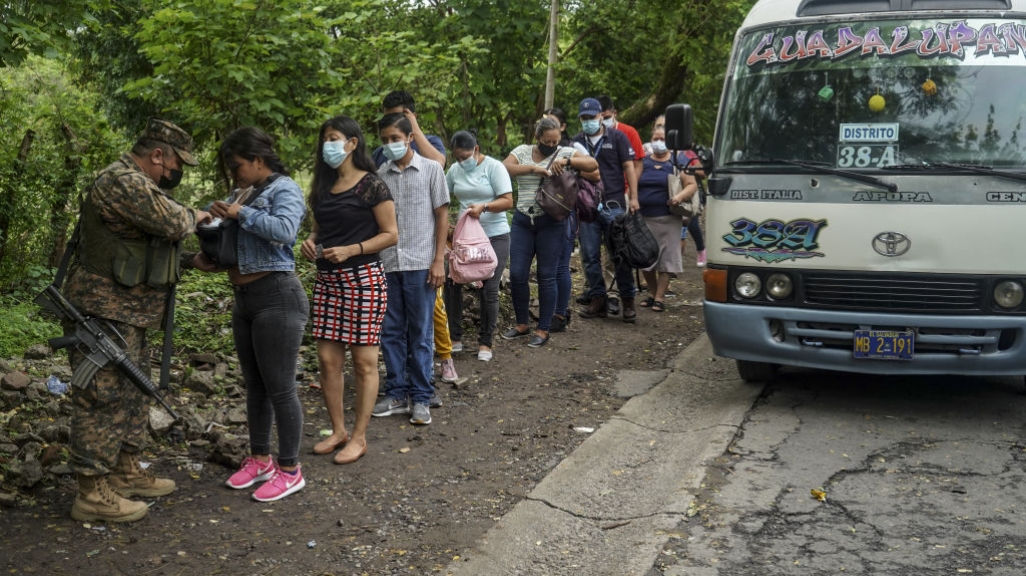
pixel 922 476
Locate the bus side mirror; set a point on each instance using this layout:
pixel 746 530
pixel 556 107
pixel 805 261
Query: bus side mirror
pixel 679 134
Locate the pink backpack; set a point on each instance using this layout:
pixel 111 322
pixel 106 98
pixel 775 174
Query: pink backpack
pixel 472 257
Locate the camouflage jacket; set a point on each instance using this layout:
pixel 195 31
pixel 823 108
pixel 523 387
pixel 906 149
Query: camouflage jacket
pixel 132 207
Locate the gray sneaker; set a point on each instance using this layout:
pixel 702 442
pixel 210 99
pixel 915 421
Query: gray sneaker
pixel 421 415
pixel 388 406
pixel 436 400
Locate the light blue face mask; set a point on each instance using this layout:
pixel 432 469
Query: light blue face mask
pixel 469 164
pixel 590 127
pixel 395 150
pixel 334 153
pixel 659 146
pixel 608 122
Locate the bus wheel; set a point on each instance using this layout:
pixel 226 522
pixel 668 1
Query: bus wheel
pixel 756 371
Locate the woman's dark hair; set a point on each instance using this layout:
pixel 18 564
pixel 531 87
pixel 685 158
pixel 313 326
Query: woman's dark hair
pixel 544 125
pixel 464 140
pixel 397 119
pixel 251 143
pixel 325 176
pixel 564 138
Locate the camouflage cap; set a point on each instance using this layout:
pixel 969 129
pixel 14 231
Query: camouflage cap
pixel 164 131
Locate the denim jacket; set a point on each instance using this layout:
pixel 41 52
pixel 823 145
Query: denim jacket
pixel 268 228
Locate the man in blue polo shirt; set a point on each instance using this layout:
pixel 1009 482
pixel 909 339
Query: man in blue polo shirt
pixel 615 157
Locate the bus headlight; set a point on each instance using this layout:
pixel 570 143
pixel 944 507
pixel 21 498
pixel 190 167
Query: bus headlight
pixel 747 285
pixel 779 286
pixel 1009 294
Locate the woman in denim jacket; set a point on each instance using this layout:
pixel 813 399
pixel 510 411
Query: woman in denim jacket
pixel 270 310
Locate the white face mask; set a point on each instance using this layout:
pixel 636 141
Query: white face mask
pixel 608 122
pixel 659 146
pixel 395 151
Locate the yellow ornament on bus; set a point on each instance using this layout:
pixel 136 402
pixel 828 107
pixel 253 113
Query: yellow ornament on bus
pixel 877 103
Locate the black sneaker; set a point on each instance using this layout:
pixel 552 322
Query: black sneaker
pixel 583 299
pixel 559 323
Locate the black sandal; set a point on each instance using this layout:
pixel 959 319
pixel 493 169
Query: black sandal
pixel 647 302
pixel 658 306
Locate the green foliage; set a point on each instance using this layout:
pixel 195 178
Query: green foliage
pixel 69 141
pixel 24 326
pixel 32 27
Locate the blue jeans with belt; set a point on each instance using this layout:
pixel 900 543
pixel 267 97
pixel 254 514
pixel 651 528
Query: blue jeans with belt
pixel 408 336
pixel 592 235
pixel 542 237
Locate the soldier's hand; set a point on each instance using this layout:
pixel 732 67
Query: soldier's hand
pixel 202 217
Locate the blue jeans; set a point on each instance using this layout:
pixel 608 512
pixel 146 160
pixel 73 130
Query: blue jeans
pixel 563 281
pixel 544 238
pixel 407 336
pixel 268 322
pixel 592 236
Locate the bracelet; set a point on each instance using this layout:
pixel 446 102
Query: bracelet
pixel 361 247
pixel 486 207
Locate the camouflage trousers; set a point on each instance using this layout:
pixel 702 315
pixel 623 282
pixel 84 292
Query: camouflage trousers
pixel 110 414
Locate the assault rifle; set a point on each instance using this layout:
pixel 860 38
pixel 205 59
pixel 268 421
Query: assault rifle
pixel 92 339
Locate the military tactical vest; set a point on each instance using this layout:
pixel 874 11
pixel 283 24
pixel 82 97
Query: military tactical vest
pixel 129 262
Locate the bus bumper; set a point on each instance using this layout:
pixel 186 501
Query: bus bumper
pixel 971 345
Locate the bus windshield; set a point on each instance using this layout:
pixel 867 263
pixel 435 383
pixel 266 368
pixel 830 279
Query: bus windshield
pixel 876 94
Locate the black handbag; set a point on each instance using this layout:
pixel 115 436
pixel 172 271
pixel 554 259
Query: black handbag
pixel 557 195
pixel 220 241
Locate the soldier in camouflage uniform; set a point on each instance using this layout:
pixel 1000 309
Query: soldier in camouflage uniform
pixel 122 272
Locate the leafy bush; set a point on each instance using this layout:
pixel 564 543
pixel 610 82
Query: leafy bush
pixel 23 326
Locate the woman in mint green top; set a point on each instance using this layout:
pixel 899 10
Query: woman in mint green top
pixel 482 186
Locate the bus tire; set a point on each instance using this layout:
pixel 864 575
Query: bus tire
pixel 756 371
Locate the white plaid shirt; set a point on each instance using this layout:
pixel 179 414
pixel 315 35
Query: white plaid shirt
pixel 417 191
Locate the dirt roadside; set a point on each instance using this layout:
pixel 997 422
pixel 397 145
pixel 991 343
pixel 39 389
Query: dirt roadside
pixel 420 497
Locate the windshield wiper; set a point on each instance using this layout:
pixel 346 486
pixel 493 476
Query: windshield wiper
pixel 971 168
pixel 985 170
pixel 824 168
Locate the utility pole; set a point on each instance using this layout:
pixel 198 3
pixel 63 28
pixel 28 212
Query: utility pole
pixel 550 78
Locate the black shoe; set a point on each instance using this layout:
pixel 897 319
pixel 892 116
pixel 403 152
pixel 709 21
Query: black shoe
pixel 583 299
pixel 613 306
pixel 537 341
pixel 513 333
pixel 559 323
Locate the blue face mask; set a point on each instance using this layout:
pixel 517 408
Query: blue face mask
pixel 659 146
pixel 469 164
pixel 395 150
pixel 334 153
pixel 608 122
pixel 590 127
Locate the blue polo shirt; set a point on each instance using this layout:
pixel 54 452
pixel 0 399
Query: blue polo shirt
pixel 611 151
pixel 379 154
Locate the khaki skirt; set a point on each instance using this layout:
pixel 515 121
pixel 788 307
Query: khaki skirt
pixel 666 230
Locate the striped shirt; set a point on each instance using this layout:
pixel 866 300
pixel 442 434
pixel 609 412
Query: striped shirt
pixel 417 191
pixel 528 184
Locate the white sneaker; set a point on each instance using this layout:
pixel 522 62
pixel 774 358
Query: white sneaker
pixel 457 347
pixel 484 355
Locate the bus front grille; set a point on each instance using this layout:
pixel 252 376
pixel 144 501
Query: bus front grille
pixel 859 292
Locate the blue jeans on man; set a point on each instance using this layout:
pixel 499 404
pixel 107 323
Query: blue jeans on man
pixel 407 336
pixel 592 235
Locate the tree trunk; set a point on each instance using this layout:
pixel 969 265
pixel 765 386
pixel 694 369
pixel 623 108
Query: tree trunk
pixel 59 216
pixel 668 91
pixel 8 198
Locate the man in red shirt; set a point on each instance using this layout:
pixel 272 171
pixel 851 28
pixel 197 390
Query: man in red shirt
pixel 610 121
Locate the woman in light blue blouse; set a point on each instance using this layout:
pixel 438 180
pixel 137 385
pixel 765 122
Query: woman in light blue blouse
pixel 483 188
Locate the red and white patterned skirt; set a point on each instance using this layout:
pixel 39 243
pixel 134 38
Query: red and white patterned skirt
pixel 349 304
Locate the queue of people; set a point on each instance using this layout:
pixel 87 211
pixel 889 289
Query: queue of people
pixel 380 222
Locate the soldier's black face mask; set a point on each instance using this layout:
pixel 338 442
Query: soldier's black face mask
pixel 169 183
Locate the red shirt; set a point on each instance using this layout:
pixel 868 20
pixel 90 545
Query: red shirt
pixel 635 140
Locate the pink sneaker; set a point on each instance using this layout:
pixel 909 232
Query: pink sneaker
pixel 700 260
pixel 449 371
pixel 251 472
pixel 280 485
